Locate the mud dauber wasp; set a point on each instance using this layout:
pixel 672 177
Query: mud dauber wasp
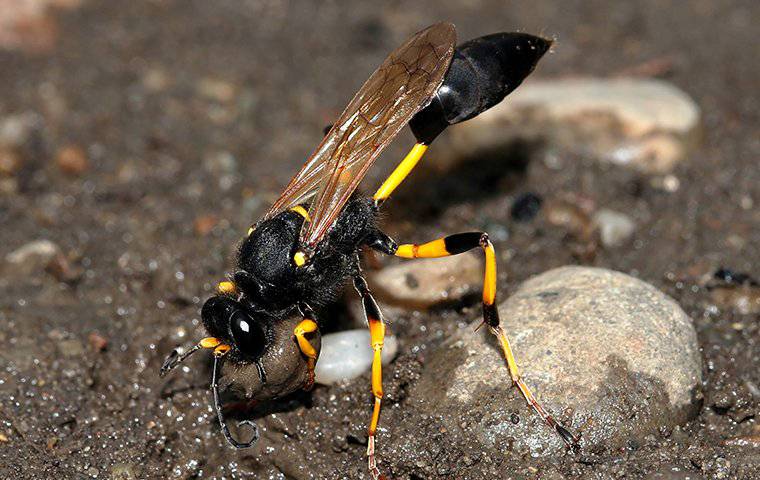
pixel 301 254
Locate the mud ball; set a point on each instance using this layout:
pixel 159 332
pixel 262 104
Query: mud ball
pixel 607 354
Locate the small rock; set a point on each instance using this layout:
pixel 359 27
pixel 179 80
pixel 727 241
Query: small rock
pixel 3 438
pixel 217 89
pixel 8 186
pixel 124 471
pixel 204 224
pixel 667 183
pixel 601 350
pixel 10 162
pixel 614 228
pixel 570 217
pixel 72 160
pixel 423 283
pixel 526 207
pixel 33 256
pixel 62 269
pixel 744 299
pixel 736 291
pixel 727 276
pixel 16 129
pixel 71 348
pixel 673 473
pixel 745 441
pixel 155 79
pixel 646 124
pixel 97 341
pixel 348 354
pixel 220 163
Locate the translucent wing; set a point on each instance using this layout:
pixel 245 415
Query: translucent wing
pixel 404 83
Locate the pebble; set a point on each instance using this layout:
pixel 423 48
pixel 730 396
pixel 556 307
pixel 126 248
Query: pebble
pixel 216 89
pixel 71 348
pixel 33 256
pixel 97 342
pixel 124 471
pixel 525 207
pixel 156 79
pixel 615 228
pixel 743 299
pixel 10 162
pixel 569 216
pixel 16 129
pixel 8 186
pixel 204 224
pixel 646 124
pixel 424 283
pixel 348 354
pixel 72 160
pixel 737 291
pixel 220 163
pixel 606 353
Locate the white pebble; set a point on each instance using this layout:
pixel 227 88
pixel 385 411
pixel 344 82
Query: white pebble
pixel 614 228
pixel 348 354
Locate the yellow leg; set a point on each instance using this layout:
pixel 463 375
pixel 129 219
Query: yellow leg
pixel 377 338
pixel 307 326
pixel 400 173
pixel 462 242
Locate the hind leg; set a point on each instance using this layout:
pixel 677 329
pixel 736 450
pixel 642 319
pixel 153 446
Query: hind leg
pixel 460 243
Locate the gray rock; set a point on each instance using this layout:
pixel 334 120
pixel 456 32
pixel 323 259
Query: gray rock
pixel 646 124
pixel 424 283
pixel 615 228
pixel 607 354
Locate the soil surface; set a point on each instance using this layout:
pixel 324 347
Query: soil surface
pixel 160 130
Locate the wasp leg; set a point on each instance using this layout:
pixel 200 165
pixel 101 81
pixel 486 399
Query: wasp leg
pixel 377 337
pixel 306 326
pixel 175 357
pixel 399 173
pixel 462 242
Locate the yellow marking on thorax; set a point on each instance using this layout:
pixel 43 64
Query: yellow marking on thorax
pixel 301 211
pixel 226 287
pixel 299 258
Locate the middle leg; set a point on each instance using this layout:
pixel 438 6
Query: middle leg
pixel 377 337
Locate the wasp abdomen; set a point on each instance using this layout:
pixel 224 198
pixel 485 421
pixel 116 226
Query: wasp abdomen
pixel 482 72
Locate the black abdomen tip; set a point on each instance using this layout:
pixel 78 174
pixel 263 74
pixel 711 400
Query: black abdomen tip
pixel 483 71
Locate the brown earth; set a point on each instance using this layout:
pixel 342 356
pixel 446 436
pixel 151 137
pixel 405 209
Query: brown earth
pixel 179 121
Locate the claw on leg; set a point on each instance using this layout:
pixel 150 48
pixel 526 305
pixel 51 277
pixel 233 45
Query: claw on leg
pixel 572 441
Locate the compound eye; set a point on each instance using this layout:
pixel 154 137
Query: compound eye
pixel 247 333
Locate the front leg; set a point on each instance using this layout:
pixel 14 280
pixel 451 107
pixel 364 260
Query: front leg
pixel 307 326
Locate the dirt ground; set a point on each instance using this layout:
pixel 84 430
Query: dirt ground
pixel 191 115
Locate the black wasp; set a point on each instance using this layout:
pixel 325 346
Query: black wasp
pixel 300 255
